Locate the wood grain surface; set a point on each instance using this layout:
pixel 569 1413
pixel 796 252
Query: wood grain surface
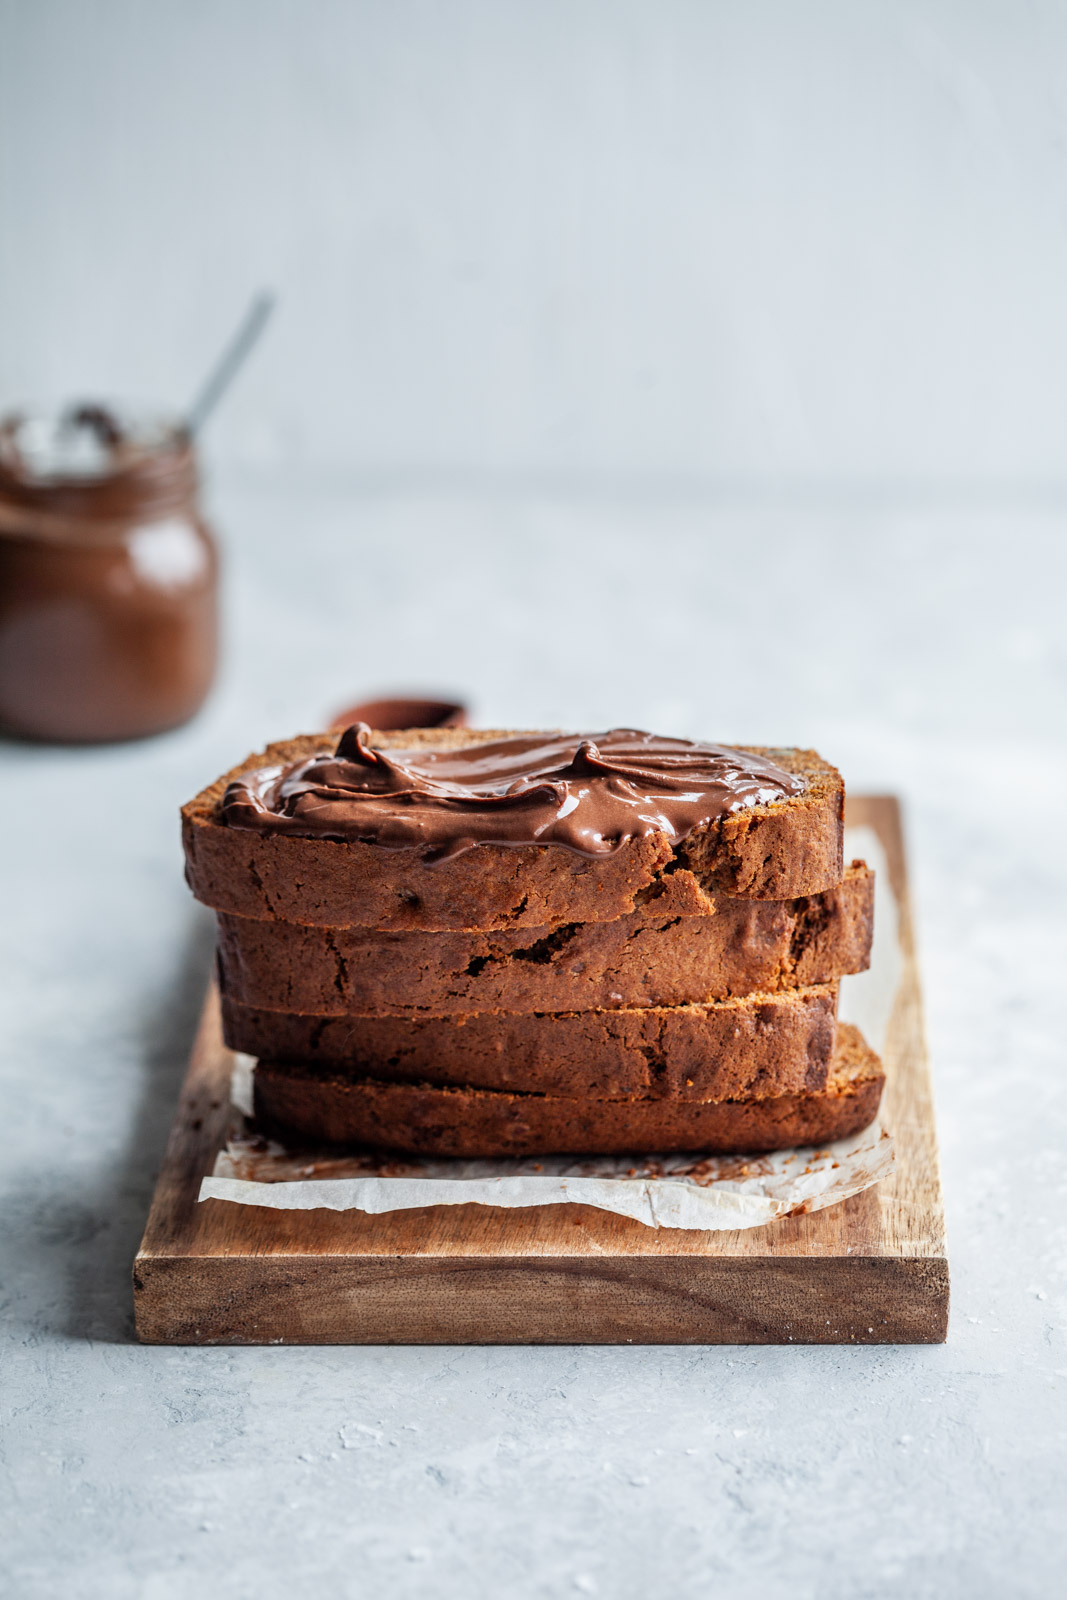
pixel 872 1270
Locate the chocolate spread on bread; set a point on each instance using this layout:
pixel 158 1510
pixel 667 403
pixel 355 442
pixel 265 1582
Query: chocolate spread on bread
pixel 416 971
pixel 589 793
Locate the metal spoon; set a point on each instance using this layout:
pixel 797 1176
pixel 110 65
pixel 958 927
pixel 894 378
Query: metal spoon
pixel 230 362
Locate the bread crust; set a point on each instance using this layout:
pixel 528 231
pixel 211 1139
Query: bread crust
pixel 667 952
pixel 770 852
pixel 297 1100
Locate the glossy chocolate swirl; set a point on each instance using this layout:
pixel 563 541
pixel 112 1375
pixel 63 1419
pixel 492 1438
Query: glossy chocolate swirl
pixel 591 793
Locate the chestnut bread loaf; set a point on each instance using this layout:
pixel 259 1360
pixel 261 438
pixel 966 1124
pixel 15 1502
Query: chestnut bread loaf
pixel 664 953
pixel 774 851
pixel 318 1104
pixel 766 1044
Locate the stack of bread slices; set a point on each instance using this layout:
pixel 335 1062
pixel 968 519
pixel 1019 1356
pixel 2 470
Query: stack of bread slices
pixel 667 994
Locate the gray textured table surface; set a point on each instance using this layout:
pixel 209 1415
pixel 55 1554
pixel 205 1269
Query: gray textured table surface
pixel 923 650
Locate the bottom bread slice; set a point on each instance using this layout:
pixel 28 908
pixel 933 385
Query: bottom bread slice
pixel 765 1044
pixel 320 1104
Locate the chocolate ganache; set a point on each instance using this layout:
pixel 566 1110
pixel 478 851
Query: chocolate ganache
pixel 591 793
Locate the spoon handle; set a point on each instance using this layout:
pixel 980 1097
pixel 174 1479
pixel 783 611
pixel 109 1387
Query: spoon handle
pixel 230 362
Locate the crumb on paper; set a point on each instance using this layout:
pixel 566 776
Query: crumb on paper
pixel 661 1191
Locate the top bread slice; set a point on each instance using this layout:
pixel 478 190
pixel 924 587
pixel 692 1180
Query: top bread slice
pixel 779 851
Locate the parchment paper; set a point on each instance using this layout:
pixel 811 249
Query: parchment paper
pixel 711 1193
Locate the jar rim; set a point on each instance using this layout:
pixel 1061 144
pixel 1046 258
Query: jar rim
pixel 141 471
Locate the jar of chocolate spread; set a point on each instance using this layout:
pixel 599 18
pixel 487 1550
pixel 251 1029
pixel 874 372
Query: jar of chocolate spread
pixel 108 577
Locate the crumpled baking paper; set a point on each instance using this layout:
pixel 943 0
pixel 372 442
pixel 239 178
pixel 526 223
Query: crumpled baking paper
pixel 711 1193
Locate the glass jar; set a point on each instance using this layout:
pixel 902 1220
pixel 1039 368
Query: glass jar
pixel 108 578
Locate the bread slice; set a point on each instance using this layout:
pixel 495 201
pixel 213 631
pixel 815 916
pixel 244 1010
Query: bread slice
pixel 318 1104
pixel 766 1044
pixel 767 852
pixel 665 953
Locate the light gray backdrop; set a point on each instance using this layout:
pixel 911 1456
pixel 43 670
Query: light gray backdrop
pixel 698 366
pixel 745 244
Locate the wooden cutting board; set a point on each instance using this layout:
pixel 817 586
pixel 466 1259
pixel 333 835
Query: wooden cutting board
pixel 872 1270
